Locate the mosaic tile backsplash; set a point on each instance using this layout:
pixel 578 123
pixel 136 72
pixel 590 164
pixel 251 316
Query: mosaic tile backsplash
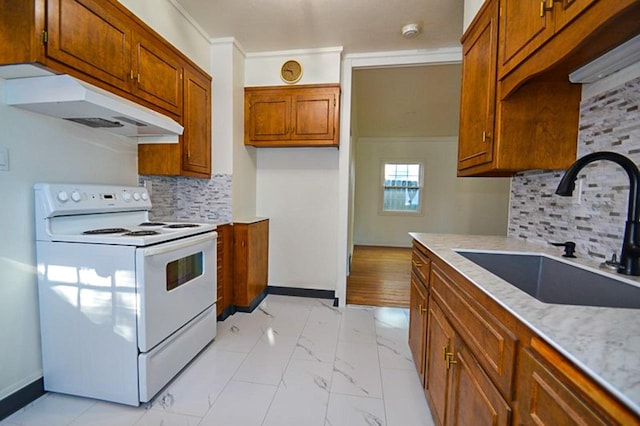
pixel 609 121
pixel 189 199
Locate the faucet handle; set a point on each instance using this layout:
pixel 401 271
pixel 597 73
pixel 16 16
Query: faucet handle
pixel 569 248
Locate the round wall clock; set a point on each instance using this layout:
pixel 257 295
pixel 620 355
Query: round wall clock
pixel 291 71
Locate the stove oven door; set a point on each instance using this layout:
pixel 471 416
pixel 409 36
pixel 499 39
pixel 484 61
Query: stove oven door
pixel 176 282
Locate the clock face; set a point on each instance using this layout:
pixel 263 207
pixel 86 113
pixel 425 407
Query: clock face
pixel 291 71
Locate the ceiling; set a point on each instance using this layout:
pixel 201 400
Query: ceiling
pixel 405 101
pixel 357 25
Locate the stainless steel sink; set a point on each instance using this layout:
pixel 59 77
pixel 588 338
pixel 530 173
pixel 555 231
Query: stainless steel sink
pixel 552 281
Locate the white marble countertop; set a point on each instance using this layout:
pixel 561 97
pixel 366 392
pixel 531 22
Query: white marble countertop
pixel 605 342
pixel 249 219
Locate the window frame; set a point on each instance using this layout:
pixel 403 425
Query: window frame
pixel 381 188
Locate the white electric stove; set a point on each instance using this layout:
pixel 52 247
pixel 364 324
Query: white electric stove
pixel 125 302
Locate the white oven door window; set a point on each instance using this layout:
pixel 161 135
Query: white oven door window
pixel 176 282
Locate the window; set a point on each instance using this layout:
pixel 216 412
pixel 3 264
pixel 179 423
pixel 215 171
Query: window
pixel 402 188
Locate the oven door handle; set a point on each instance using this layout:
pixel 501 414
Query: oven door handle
pixel 182 243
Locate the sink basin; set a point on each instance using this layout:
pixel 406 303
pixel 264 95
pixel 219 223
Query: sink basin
pixel 552 281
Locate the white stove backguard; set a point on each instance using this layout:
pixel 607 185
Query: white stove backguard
pixel 73 208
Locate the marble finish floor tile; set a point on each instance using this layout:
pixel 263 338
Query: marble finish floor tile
pixel 293 361
pixel 302 395
pixel 347 410
pixel 358 325
pixel 52 410
pixel 404 400
pixel 241 403
pixel 356 370
pixel 194 391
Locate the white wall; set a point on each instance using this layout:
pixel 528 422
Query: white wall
pixel 223 108
pixel 167 18
pixel 40 149
pixel 450 204
pixel 318 66
pixel 471 7
pixel 297 187
pixel 297 190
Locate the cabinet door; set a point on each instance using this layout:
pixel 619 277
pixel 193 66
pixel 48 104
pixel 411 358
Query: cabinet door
pixel 440 340
pixel 270 117
pixel 157 75
pixel 418 324
pixel 92 37
pixel 568 10
pixel 225 268
pixel 474 400
pixel 478 92
pixel 251 261
pixel 313 116
pixel 544 400
pixel 523 30
pixel 196 119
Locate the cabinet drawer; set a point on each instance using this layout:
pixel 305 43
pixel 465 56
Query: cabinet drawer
pixel 544 400
pixel 493 344
pixel 420 265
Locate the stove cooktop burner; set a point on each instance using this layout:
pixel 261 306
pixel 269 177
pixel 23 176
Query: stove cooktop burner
pixel 152 224
pixel 141 233
pixel 182 225
pixel 106 231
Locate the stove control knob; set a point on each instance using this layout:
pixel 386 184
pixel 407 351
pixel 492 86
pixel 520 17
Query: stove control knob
pixel 136 196
pixel 126 196
pixel 145 196
pixel 63 196
pixel 75 196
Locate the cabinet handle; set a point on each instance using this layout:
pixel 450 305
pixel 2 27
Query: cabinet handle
pixel 546 6
pixel 138 78
pixel 416 263
pixel 486 136
pixel 450 360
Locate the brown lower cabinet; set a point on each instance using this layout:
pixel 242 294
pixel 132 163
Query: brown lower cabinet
pixel 242 266
pixel 482 366
pixel 251 262
pixel 224 301
pixel 458 389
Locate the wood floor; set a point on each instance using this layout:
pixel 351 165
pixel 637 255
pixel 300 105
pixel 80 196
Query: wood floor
pixel 380 276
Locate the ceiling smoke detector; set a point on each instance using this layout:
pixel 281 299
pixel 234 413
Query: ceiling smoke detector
pixel 410 31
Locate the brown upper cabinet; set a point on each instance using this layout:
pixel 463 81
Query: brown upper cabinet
pixel 156 75
pixel 103 43
pixel 192 155
pixel 527 25
pixel 91 37
pixel 292 116
pixel 518 109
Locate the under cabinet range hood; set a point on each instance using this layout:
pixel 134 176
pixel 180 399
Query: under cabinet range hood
pixel 68 98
